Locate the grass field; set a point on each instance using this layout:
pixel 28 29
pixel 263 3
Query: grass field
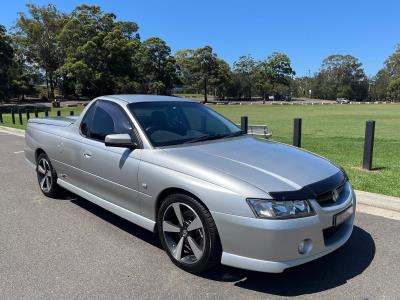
pixel 7 120
pixel 333 131
pixel 337 132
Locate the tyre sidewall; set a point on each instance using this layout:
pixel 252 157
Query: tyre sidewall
pixel 54 188
pixel 200 265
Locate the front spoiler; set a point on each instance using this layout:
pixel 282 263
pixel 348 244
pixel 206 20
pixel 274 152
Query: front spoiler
pixel 259 265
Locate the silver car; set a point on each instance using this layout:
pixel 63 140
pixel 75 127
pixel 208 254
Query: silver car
pixel 213 193
pixel 342 100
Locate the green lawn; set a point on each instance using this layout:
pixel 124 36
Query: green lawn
pixel 333 131
pixel 337 132
pixel 7 119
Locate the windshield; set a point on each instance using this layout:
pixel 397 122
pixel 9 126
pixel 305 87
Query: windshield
pixel 176 122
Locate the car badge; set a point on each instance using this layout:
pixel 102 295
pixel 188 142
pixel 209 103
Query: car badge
pixel 335 195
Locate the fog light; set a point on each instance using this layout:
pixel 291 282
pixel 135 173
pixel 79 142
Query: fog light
pixel 305 246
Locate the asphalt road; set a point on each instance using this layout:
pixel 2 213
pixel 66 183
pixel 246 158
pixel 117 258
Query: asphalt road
pixel 69 248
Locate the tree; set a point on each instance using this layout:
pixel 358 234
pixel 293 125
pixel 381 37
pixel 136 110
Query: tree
pixel 341 76
pixel 277 71
pixel 392 67
pixel 101 53
pixel 37 36
pixel 386 83
pixel 245 68
pixel 392 64
pixel 379 85
pixel 394 89
pixel 16 77
pixel 157 66
pixel 6 63
pixel 185 69
pixel 198 68
pixel 221 79
pixel 24 78
pixel 302 86
pixel 206 66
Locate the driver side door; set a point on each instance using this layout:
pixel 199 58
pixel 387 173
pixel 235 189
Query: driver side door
pixel 111 172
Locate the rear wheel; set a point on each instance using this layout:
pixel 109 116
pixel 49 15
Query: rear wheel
pixel 47 177
pixel 188 233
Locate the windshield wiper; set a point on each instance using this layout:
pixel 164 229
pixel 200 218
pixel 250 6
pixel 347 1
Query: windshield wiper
pixel 208 137
pixel 236 133
pixel 205 137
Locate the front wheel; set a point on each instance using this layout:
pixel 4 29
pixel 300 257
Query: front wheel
pixel 188 233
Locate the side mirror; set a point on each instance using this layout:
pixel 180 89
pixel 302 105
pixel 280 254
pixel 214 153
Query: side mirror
pixel 122 140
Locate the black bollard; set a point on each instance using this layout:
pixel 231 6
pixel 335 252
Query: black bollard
pixel 297 132
pixel 369 144
pixel 244 123
pixel 20 117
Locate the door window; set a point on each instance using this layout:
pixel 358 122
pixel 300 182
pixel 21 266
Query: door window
pixel 87 120
pixel 108 118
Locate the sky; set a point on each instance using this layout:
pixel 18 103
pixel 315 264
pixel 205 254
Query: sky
pixel 307 31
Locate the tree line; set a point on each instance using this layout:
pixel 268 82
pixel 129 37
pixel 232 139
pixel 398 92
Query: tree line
pixel 88 52
pixel 343 76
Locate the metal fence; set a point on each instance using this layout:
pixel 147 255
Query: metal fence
pixel 258 130
pixel 8 108
pixel 297 129
pixel 17 113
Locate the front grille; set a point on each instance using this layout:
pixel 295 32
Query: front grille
pixel 326 199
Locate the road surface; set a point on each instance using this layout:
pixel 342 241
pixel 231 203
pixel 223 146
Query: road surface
pixel 69 248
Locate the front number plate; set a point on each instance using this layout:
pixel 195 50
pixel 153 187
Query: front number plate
pixel 342 216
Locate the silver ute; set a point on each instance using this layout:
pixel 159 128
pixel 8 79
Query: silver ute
pixel 211 192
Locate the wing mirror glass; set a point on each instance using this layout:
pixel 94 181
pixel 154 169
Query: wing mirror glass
pixel 122 140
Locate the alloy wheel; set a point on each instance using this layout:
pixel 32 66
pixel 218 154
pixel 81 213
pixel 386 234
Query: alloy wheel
pixel 183 232
pixel 44 173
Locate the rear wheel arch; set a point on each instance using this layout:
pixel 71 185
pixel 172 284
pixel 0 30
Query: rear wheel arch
pixel 38 152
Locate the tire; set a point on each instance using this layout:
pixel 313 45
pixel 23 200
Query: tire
pixel 197 238
pixel 47 177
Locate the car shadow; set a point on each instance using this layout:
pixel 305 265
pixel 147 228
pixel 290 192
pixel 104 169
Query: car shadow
pixel 325 273
pixel 119 222
pixel 378 168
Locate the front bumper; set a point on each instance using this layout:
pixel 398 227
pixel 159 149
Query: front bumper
pixel 272 245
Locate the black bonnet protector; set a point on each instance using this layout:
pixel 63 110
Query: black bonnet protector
pixel 312 190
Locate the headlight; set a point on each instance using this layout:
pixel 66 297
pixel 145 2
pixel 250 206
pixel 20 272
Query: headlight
pixel 272 209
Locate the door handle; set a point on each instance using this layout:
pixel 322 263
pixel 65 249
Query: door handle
pixel 87 154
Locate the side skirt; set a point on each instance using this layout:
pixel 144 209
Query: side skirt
pixel 118 210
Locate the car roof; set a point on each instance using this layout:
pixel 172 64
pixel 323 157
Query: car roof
pixel 142 98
